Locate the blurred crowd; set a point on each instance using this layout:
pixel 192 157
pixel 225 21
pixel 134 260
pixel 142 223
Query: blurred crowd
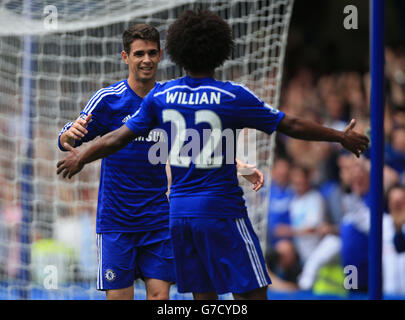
pixel 319 210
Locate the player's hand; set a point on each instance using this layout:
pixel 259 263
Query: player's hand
pixel 354 142
pixel 253 175
pixel 78 130
pixel 71 164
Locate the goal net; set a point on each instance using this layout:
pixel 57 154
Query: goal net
pixel 53 57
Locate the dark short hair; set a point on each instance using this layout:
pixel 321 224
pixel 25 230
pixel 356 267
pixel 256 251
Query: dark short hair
pixel 140 31
pixel 199 41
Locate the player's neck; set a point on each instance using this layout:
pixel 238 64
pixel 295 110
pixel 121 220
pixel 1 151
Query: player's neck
pixel 141 88
pixel 208 74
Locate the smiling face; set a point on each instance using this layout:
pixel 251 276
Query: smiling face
pixel 142 60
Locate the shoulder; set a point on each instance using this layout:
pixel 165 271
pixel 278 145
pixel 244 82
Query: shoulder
pixel 246 95
pixel 104 95
pixel 242 92
pixel 161 87
pixel 114 91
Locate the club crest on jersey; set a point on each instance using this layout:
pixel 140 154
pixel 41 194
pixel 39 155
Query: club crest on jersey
pixel 110 275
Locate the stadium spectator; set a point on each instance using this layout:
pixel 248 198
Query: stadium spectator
pixel 307 211
pixel 76 232
pixel 395 150
pixel 335 117
pixel 394 242
pixel 356 223
pixel 281 195
pixel 329 249
pixel 310 228
pixel 11 220
pixel 284 266
pixel 351 242
pixel 395 75
pixel 396 206
pixel 195 239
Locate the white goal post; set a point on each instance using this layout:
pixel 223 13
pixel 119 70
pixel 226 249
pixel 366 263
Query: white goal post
pixel 53 56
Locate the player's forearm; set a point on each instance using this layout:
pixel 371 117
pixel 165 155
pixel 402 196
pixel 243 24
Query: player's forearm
pixel 308 130
pixel 107 145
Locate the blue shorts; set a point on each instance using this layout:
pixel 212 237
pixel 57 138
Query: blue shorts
pixel 221 255
pixel 125 257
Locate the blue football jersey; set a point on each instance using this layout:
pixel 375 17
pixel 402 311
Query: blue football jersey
pixel 201 118
pixel 132 191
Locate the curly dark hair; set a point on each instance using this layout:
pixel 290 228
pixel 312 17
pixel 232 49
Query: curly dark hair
pixel 140 31
pixel 199 41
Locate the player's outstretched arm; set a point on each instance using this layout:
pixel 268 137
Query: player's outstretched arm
pixel 108 144
pixel 76 132
pixel 251 174
pixel 309 130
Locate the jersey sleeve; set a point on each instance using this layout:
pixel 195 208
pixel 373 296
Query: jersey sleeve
pixel 252 112
pixel 98 108
pixel 144 119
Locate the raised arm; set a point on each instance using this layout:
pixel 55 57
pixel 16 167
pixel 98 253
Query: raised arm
pixel 309 130
pixel 108 144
